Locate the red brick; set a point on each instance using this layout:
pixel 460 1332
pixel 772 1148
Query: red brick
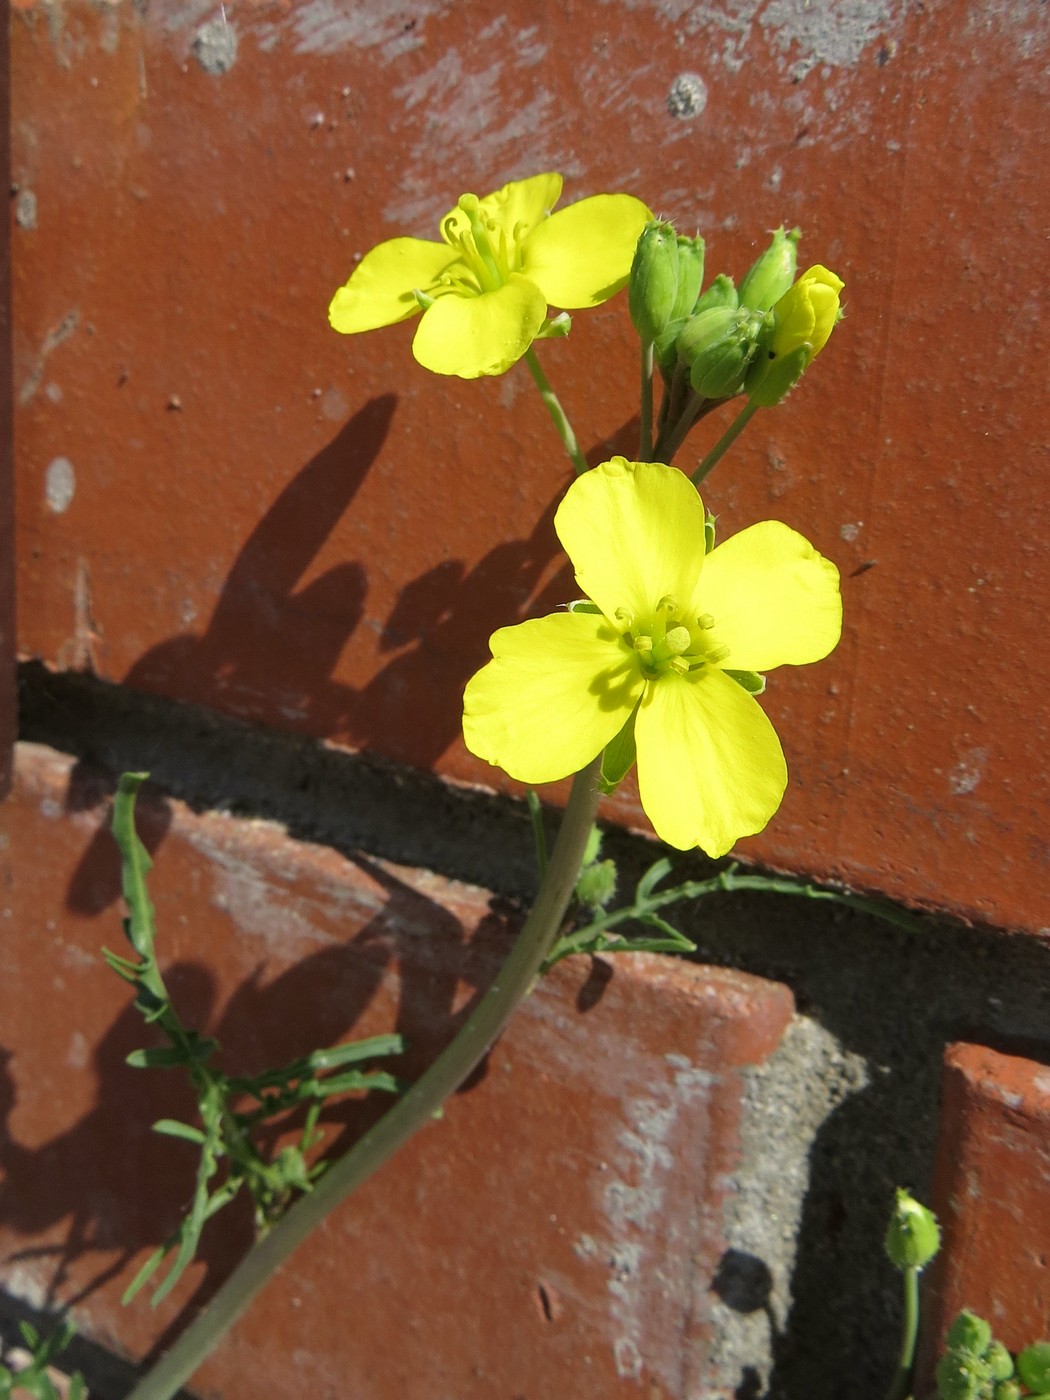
pixel 556 1233
pixel 990 1193
pixel 314 533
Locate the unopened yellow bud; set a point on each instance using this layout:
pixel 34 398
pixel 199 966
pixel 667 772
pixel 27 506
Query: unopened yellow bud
pixel 807 312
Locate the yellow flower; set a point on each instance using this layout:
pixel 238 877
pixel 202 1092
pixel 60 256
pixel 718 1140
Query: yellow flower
pixel 486 286
pixel 669 632
pixel 807 312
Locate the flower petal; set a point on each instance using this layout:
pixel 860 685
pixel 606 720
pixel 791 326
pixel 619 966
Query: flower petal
pixel 710 765
pixel 774 599
pixel 635 534
pixel 582 255
pixel 473 334
pixel 379 291
pixel 518 206
pixel 557 690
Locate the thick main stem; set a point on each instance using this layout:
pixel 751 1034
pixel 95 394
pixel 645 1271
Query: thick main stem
pixel 411 1112
pixel 558 415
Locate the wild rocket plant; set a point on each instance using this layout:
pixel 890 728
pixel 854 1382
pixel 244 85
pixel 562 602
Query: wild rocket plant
pixel 656 664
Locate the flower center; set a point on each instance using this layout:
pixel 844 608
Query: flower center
pixel 669 642
pixel 487 257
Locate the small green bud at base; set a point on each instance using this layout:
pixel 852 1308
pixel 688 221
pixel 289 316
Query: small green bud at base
pixel 969 1333
pixel 912 1236
pixel 597 884
pixel 1033 1366
pixel 772 273
pixel 1000 1360
pixel 1007 1390
pixel 963 1377
pixel 653 285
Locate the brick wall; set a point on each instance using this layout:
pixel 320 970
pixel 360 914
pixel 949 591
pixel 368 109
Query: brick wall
pixel 261 560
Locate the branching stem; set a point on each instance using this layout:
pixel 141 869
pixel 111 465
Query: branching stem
pixel 413 1111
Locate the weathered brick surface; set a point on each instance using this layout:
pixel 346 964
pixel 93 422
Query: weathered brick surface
pixel 992 1195
pixel 316 534
pixel 556 1233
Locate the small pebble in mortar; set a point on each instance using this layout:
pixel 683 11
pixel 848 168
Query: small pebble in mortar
pixel 60 484
pixel 687 96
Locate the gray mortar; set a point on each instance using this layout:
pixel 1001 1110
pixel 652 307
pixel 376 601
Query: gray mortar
pixel 845 1110
pixel 215 46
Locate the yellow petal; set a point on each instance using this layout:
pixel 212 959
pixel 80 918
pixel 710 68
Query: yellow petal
pixel 557 690
pixel 635 534
pixel 582 255
pixel 473 334
pixel 710 765
pixel 517 208
pixel 775 601
pixel 807 312
pixel 380 288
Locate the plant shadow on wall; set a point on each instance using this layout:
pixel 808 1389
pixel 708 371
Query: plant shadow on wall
pixel 270 649
pixel 70 1195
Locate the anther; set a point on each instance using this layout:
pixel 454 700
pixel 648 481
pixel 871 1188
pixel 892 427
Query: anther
pixel 643 643
pixel 679 664
pixel 719 654
pixel 706 621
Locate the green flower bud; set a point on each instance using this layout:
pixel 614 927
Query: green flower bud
pixel 912 1237
pixel 772 273
pixel 720 293
pixel 653 284
pixel 1000 1360
pixel 963 1377
pixel 1007 1390
pixel 969 1333
pixel 597 884
pixel 1033 1366
pixel 717 346
pixel 690 276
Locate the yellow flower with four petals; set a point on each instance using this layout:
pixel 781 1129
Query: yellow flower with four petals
pixel 671 627
pixel 485 288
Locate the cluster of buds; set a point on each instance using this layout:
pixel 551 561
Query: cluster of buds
pixel 977 1367
pixel 756 339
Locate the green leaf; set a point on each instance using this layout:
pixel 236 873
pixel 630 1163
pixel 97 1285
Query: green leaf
pixel 136 864
pixel 147 1271
pixel 156 1057
pixel 171 1127
pixel 652 877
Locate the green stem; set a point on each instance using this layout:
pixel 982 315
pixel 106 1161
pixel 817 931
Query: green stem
pixel 413 1111
pixel 901 1386
pixel 725 442
pixel 645 413
pixel 557 413
pixel 539 835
